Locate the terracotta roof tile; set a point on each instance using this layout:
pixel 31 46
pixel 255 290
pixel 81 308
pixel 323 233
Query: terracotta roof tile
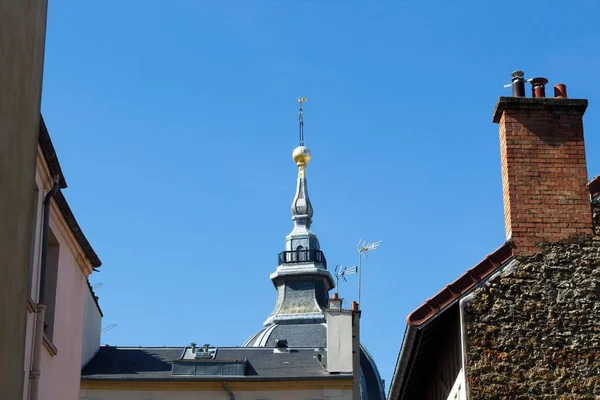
pixel 433 306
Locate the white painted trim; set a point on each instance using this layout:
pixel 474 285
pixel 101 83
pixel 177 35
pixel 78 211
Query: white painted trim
pixel 459 391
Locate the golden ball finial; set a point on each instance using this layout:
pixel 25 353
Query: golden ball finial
pixel 301 156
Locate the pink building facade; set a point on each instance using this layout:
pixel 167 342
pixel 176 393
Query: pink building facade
pixel 55 348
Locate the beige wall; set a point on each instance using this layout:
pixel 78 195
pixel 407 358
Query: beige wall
pixel 323 394
pixel 60 369
pixel 339 341
pixel 22 37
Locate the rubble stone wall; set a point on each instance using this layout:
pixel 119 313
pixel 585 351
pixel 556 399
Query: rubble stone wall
pixel 533 330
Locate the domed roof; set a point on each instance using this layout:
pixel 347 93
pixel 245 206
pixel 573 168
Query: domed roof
pixel 297 335
pixel 302 283
pixel 315 335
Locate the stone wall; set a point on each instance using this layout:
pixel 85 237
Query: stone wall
pixel 22 36
pixel 533 331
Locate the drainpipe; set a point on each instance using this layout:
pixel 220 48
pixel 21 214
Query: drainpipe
pixel 225 388
pixel 41 306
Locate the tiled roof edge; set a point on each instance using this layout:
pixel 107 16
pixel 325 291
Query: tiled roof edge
pixel 50 154
pixel 455 290
pixel 76 229
pixel 55 169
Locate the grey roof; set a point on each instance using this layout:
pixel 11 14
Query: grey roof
pixel 315 336
pixel 155 363
pixel 297 335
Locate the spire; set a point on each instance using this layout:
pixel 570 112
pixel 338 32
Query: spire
pixel 301 279
pixel 302 211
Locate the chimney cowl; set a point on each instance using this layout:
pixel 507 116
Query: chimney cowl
pixel 518 84
pixel 538 87
pixel 560 91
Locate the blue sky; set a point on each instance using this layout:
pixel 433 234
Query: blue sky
pixel 174 122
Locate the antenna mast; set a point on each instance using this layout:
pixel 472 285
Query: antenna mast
pixel 340 272
pixel 301 100
pixel 362 248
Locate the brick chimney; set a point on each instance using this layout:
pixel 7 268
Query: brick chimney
pixel 544 174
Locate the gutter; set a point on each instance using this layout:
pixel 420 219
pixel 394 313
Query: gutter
pixel 35 372
pixel 403 365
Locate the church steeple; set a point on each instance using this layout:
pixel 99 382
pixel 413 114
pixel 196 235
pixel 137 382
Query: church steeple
pixel 301 279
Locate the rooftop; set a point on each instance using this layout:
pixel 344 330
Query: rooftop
pixel 156 363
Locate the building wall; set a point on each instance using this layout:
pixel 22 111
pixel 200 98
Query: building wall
pixel 61 373
pixel 34 279
pixel 61 355
pixel 92 328
pixel 22 37
pixel 533 330
pixel 316 394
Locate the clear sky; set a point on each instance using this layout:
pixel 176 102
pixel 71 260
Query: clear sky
pixel 174 122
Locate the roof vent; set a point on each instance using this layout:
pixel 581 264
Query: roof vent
pixel 205 352
pixel 281 346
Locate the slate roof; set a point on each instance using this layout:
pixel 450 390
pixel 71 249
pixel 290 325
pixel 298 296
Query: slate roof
pixel 297 335
pixel 155 363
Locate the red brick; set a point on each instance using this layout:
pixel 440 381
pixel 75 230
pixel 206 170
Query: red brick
pixel 544 173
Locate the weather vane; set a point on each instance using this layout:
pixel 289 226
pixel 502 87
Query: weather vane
pixel 362 249
pixel 301 101
pixel 340 272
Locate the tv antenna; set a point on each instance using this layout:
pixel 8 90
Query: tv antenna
pixel 340 272
pixel 363 248
pixel 97 285
pixel 108 328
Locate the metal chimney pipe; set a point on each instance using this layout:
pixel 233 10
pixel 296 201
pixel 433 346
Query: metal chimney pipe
pixel 518 84
pixel 560 91
pixel 538 87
